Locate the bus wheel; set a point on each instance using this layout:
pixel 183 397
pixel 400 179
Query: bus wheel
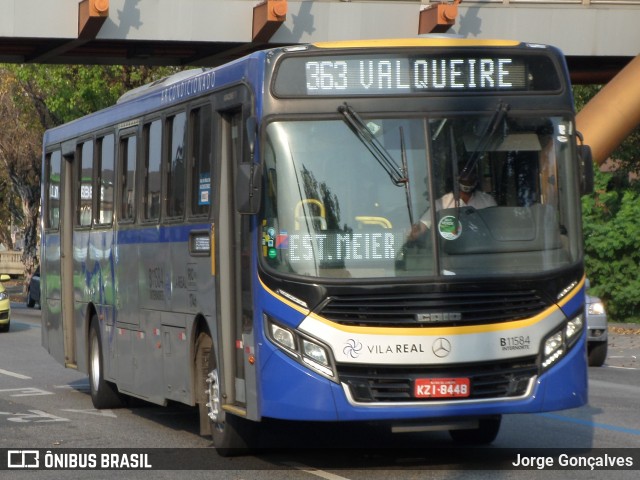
pixel 103 394
pixel 486 432
pixel 231 434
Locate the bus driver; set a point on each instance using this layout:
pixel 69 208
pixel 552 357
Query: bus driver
pixel 470 196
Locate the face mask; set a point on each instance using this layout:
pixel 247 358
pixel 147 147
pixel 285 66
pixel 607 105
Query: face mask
pixel 467 188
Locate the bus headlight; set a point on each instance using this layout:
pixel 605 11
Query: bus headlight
pixel 573 329
pixel 553 349
pixel 315 352
pixel 304 349
pixel 560 342
pixel 283 337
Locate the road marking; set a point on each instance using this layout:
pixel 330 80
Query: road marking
pixel 26 392
pixel 35 416
pixel 314 471
pixel 589 423
pixel 81 387
pixel 13 374
pixel 92 411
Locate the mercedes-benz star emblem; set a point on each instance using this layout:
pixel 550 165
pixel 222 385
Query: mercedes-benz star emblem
pixel 441 347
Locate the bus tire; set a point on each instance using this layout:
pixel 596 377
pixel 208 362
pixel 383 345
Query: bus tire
pixel 485 434
pixel 231 434
pixel 104 394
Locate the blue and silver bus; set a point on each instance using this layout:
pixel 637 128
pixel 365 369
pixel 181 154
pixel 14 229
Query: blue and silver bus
pixel 383 231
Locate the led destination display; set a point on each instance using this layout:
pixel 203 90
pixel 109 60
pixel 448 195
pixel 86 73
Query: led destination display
pixel 397 74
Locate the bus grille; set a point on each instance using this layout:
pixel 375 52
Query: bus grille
pixel 376 384
pixel 432 309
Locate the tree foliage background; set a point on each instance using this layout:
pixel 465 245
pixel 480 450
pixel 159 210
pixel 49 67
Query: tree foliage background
pixel 20 151
pixel 611 220
pixel 34 98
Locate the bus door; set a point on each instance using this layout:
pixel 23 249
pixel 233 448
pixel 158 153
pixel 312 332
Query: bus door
pixel 67 212
pixel 232 259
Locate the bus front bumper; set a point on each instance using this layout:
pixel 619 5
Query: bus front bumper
pixel 292 392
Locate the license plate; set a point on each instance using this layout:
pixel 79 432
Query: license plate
pixel 441 388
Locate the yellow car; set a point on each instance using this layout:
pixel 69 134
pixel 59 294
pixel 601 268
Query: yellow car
pixel 5 306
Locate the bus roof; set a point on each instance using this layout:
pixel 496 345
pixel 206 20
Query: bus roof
pixel 153 96
pixel 159 84
pixel 421 41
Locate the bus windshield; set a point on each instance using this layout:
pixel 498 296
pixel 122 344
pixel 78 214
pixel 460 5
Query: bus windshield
pixel 362 197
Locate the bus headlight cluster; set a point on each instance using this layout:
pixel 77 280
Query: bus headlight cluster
pixel 573 329
pixel 304 349
pixel 560 342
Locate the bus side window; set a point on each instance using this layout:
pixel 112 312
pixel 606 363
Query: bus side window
pixel 175 167
pixel 127 169
pixel 52 189
pixel 106 180
pixel 152 162
pixel 201 146
pixel 85 185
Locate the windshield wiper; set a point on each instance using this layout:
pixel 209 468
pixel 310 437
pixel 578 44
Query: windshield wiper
pixel 486 137
pixel 384 158
pixel 405 172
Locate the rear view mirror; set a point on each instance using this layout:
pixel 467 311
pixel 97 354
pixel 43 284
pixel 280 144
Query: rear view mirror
pixel 585 167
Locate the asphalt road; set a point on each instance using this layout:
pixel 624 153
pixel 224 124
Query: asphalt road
pixel 45 406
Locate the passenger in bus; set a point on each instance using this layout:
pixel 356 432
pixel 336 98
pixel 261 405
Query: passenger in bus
pixel 470 195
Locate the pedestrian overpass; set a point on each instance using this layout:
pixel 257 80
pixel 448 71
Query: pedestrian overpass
pixel 598 36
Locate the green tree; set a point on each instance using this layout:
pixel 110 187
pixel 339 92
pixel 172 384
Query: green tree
pixel 34 98
pixel 611 222
pixel 61 93
pixel 612 245
pixel 10 213
pixel 20 159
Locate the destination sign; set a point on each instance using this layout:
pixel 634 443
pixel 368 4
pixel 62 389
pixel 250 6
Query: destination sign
pixel 333 248
pixel 398 74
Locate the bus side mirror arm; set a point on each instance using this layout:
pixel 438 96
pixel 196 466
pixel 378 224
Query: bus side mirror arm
pixel 248 188
pixel 249 177
pixel 252 133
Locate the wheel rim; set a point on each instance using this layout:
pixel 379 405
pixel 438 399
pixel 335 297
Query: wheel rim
pixel 213 395
pixel 95 363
